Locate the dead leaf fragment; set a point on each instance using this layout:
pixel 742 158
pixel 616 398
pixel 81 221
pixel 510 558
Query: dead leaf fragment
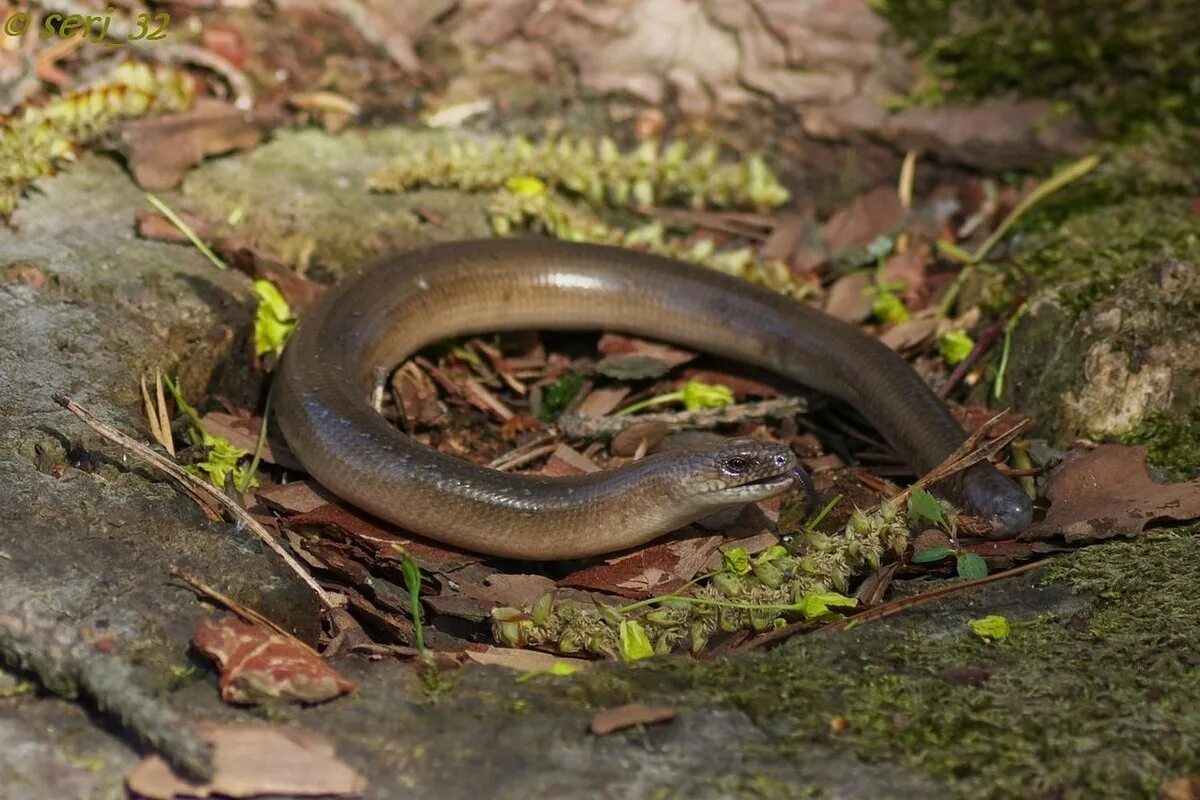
pixel 868 217
pixel 258 664
pixel 849 298
pixel 616 348
pixel 658 569
pixel 627 716
pixel 296 497
pixel 161 149
pixel 522 660
pixel 1180 789
pixel 254 759
pixel 1108 492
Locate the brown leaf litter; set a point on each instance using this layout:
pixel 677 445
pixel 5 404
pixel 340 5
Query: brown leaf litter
pixel 1108 492
pixel 259 665
pixel 629 716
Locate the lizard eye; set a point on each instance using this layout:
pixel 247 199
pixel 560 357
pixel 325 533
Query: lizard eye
pixel 736 465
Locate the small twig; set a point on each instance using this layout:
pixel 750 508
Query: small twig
pixel 247 615
pixel 888 609
pixel 69 664
pixel 960 371
pixel 502 462
pixel 524 458
pixel 201 487
pixel 748 225
pixel 908 174
pixel 941 593
pixel 968 454
pixel 587 427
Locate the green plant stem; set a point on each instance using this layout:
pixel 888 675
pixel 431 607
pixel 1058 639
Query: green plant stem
pixel 1058 180
pixel 412 580
pixel 657 400
pixel 260 445
pixel 1009 327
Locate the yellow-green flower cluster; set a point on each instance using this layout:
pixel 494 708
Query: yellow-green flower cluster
pixel 35 141
pixel 749 593
pixel 554 214
pixel 598 171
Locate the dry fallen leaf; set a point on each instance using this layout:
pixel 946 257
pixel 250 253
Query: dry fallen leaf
pixel 627 716
pixel 1180 789
pixel 1108 492
pixel 658 569
pixel 254 759
pixel 296 497
pixel 909 334
pixel 522 660
pixel 868 217
pixel 619 350
pixel 242 431
pixel 381 539
pixel 259 664
pixel 849 299
pixel 161 149
pixel 418 396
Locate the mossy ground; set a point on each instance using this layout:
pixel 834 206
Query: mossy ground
pixel 1128 65
pixel 1099 699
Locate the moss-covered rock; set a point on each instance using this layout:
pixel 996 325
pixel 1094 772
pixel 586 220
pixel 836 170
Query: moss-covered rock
pixel 1094 694
pixel 1111 340
pixel 1127 65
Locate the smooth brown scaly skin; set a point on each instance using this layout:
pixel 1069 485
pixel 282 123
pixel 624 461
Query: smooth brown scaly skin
pixel 403 303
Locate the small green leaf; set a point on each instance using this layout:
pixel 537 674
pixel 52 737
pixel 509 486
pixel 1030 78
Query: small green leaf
pixel 971 566
pixel 559 394
pixel 889 308
pixel 273 320
pixel 992 628
pixel 931 555
pixel 221 461
pixel 633 643
pixel 412 580
pixel 818 605
pixel 526 185
pixel 736 560
pixel 955 346
pixel 926 506
pixel 558 668
pixel 771 553
pixel 697 395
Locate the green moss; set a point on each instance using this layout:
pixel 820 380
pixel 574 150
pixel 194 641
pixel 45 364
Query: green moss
pixel 1128 66
pixel 1132 212
pixel 1172 440
pixel 1101 703
pixel 1088 255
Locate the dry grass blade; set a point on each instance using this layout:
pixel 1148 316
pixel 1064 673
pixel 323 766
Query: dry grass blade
pixel 967 455
pixel 194 484
pixel 157 416
pixel 587 427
